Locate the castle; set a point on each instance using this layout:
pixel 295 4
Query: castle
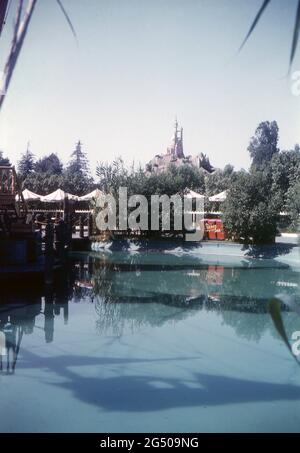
pixel 175 156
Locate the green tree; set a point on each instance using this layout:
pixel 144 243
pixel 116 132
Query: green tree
pixel 263 145
pixel 26 164
pixel 79 161
pixel 49 164
pixel 285 168
pixel 3 160
pixel 77 176
pixel 220 180
pixel 250 211
pixel 77 184
pixel 293 205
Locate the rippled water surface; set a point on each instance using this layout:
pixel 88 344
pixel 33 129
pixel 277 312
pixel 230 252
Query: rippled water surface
pixel 156 340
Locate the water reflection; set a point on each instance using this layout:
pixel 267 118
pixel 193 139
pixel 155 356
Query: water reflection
pixel 127 296
pixel 19 309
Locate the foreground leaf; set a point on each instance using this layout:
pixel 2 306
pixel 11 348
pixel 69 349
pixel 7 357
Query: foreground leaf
pixel 295 35
pixel 67 18
pixel 275 312
pixel 257 17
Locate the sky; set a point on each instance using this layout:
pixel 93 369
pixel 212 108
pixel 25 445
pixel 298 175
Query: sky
pixel 140 63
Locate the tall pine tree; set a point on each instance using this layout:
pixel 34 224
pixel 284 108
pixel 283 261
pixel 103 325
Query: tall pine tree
pixel 77 177
pixel 79 162
pixel 26 164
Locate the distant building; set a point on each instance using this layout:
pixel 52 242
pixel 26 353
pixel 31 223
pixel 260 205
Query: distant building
pixel 175 156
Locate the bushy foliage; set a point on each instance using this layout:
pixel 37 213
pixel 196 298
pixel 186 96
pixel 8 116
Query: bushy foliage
pixel 49 164
pixel 293 205
pixel 76 183
pixel 111 176
pixel 250 211
pixel 43 183
pixel 263 145
pixel 173 180
pixel 219 181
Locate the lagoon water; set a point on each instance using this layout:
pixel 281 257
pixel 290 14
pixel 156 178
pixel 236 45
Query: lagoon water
pixel 154 340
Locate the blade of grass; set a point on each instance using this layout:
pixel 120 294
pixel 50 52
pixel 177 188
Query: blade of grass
pixel 295 35
pixel 257 17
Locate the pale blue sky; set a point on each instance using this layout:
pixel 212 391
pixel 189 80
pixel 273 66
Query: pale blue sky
pixel 141 62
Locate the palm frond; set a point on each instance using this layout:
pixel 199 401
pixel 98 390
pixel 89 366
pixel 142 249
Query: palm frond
pixel 67 17
pixel 17 24
pixel 3 13
pixel 20 31
pixel 295 35
pixel 257 17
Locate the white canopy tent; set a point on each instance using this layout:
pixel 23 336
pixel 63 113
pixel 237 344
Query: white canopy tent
pixel 88 197
pixel 219 197
pixel 29 196
pixel 191 194
pixel 58 196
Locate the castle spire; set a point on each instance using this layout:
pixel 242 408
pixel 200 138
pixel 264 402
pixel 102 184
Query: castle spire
pixel 176 149
pixel 178 142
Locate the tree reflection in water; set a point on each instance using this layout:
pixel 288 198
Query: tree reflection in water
pixel 128 297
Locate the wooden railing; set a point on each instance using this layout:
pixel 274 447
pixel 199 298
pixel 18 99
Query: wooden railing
pixel 7 180
pixel 10 191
